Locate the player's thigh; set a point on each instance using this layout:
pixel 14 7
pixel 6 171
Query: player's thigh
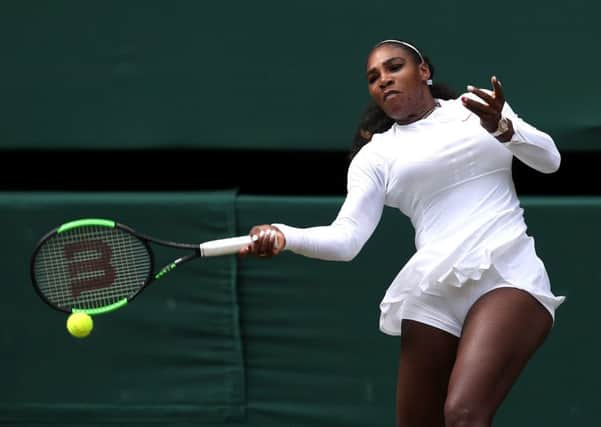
pixel 501 332
pixel 426 361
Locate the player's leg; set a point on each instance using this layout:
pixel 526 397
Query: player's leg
pixel 426 360
pixel 501 332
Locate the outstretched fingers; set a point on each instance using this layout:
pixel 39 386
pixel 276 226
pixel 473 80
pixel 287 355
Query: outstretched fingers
pixel 489 110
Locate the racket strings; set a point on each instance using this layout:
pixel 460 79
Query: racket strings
pixel 91 267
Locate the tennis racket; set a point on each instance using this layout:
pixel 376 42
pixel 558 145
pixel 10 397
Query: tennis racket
pixel 96 265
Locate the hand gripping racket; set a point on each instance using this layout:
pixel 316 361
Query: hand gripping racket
pixel 97 265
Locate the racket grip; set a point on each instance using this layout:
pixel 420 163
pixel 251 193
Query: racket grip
pixel 227 246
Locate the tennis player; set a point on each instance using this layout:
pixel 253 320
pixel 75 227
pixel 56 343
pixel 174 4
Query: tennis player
pixel 474 302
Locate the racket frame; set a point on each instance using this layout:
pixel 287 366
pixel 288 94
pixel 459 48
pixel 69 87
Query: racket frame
pixel 197 252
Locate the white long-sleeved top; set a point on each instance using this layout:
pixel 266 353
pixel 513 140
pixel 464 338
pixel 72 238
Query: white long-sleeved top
pixel 453 180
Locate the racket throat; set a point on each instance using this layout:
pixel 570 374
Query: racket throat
pixel 165 270
pixel 173 265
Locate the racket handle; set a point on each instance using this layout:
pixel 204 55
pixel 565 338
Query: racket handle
pixel 227 246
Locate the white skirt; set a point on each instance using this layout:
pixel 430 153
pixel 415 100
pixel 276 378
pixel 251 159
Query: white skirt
pixel 440 270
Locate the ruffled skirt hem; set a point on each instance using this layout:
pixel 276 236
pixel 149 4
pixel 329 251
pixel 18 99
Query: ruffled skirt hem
pixel 515 260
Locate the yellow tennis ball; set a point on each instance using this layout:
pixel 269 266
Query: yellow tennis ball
pixel 80 325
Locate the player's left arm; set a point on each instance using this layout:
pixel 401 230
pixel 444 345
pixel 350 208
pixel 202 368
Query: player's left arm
pixel 532 146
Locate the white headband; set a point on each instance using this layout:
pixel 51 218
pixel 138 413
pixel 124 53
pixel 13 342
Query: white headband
pixel 410 46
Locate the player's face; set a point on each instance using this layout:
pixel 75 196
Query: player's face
pixel 396 82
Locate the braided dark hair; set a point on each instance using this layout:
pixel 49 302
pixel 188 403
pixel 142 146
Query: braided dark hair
pixel 374 120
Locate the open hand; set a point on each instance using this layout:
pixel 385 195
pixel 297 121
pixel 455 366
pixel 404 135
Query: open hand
pixel 490 110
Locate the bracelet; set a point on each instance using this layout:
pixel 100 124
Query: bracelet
pixel 502 127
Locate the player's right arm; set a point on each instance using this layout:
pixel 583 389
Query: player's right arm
pixel 343 239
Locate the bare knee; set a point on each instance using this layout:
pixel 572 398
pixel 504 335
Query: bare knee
pixel 461 413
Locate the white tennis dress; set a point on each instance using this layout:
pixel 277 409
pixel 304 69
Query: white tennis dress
pixel 453 180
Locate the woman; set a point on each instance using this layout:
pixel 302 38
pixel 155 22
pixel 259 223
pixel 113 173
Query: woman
pixel 462 302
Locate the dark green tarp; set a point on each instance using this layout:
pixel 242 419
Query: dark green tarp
pixel 275 75
pixel 285 342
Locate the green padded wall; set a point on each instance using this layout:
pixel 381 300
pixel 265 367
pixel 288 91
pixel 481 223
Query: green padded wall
pixel 284 342
pixel 172 355
pixel 275 75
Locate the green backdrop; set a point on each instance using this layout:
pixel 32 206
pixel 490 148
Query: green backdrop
pixel 264 342
pixel 272 74
pixel 177 355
